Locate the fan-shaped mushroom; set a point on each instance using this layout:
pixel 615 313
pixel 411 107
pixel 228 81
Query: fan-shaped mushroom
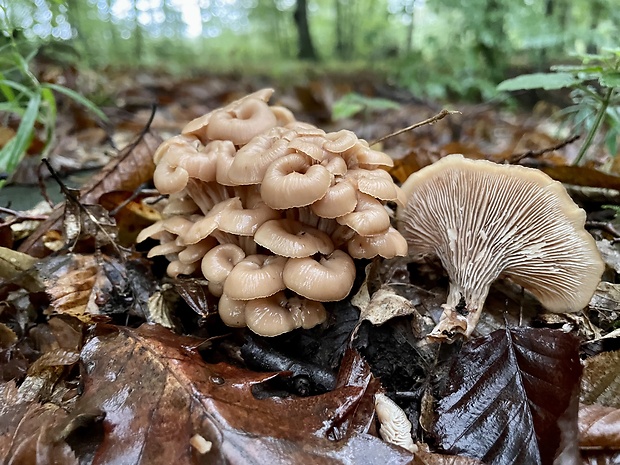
pixel 482 220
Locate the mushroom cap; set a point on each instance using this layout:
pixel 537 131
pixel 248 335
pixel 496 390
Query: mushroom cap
pixel 248 119
pixel 255 277
pixel 252 160
pixel 327 280
pixel 368 218
pixel 306 313
pixel 291 238
pixel 232 312
pixel 218 262
pixel 483 219
pixel 269 316
pixel 389 244
pixel 170 176
pixel 292 181
pixel 339 200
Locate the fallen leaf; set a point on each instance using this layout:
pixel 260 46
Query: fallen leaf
pixel 599 427
pixel 506 395
pixel 132 168
pixel 601 380
pixel 157 394
pixel 26 435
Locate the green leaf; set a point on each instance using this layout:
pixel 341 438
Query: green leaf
pixel 547 81
pixel 17 86
pixel 353 103
pixel 78 98
pixel 610 79
pixel 12 153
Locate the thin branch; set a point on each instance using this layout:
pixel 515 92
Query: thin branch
pixel 441 115
pixel 517 157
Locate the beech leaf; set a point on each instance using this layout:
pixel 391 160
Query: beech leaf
pixel 506 394
pixel 163 404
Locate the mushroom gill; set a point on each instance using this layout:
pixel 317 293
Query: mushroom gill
pixel 482 219
pixel 270 211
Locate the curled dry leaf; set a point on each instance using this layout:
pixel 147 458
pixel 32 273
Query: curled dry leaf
pixel 601 380
pixel 157 394
pixel 507 394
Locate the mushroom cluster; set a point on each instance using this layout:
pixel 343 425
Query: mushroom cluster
pixel 483 220
pixel 272 212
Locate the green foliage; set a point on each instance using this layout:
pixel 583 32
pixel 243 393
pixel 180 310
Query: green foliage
pixel 22 94
pixel 353 103
pixel 596 95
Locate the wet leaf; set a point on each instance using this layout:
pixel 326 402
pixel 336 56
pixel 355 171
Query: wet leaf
pixel 157 395
pixel 582 176
pixel 87 221
pixel 601 380
pixel 599 427
pixel 132 218
pixel 507 394
pixel 26 435
pixel 92 287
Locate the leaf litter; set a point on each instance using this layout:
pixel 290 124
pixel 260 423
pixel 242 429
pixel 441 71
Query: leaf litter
pixel 86 378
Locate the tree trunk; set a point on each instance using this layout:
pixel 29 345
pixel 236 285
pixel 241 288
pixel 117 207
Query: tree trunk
pixel 306 47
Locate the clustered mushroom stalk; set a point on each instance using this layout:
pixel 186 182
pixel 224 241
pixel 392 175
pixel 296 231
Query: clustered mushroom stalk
pixel 272 212
pixel 483 220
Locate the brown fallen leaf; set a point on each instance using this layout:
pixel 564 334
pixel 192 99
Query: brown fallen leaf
pixel 163 404
pixel 26 435
pixel 132 168
pixel 600 383
pixel 93 287
pixel 599 427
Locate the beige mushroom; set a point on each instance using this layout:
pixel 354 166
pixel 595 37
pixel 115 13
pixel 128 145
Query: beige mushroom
pixel 482 219
pixel 340 199
pixel 209 223
pixel 198 126
pixel 377 183
pixel 177 146
pixel 218 262
pixel 232 312
pixel 283 115
pixel 369 217
pixel 255 277
pixel 291 238
pixel 250 118
pixel 306 313
pixel 389 244
pixel 252 160
pixel 245 221
pixel 341 141
pixel 196 252
pixel 170 176
pixel 310 146
pixel 176 268
pixel 269 316
pixel 292 181
pixel 329 279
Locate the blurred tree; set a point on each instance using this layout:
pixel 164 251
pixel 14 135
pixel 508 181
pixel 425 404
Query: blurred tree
pixel 306 46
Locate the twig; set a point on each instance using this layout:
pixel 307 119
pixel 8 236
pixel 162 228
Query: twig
pixel 73 199
pixel 441 115
pixel 19 216
pixel 517 157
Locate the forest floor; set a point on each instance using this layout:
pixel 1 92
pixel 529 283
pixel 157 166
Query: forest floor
pixel 104 359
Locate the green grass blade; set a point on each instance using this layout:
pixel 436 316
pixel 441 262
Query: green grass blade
pixel 12 153
pixel 78 98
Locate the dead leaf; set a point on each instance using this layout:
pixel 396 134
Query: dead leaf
pixel 87 221
pixel 157 394
pixel 601 380
pixel 132 218
pixel 506 395
pixel 599 427
pixel 93 287
pixel 132 168
pixel 26 431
